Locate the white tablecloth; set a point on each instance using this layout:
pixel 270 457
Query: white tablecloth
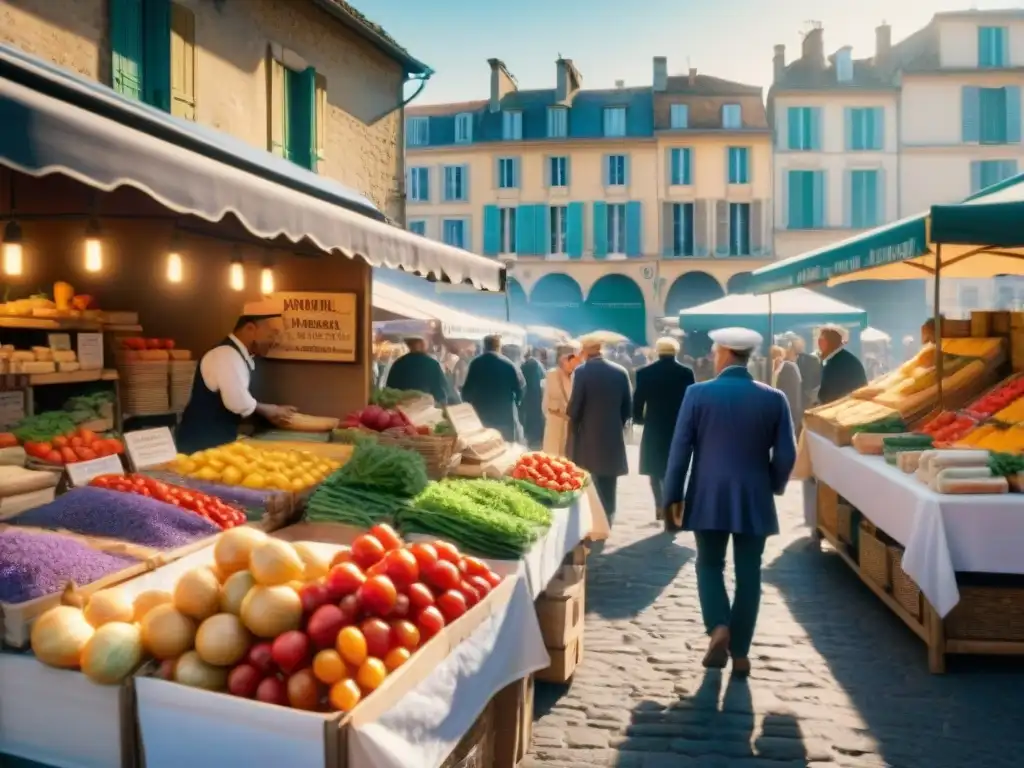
pixel 942 534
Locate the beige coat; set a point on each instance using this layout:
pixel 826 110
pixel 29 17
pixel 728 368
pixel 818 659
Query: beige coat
pixel 557 388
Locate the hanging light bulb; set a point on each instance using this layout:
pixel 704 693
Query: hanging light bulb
pixel 236 277
pixel 13 257
pixel 174 268
pixel 93 248
pixel 267 280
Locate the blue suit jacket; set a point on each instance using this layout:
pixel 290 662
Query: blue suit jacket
pixel 599 407
pixel 739 434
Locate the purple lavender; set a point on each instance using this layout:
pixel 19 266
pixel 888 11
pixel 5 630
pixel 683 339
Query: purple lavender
pixel 124 516
pixel 36 564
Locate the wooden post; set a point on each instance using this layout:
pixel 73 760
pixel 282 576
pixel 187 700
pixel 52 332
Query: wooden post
pixel 936 638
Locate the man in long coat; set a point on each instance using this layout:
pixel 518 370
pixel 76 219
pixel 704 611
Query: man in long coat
pixel 494 387
pixel 739 435
pixel 532 411
pixel 841 371
pixel 660 387
pixel 599 407
pixel 418 370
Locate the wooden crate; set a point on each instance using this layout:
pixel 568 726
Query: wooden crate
pixel 955 329
pixel 987 613
pixel 560 608
pixel 873 557
pixel 476 749
pixel 904 590
pixel 563 663
pixel 846 523
pixel 513 722
pixel 834 433
pixel 828 512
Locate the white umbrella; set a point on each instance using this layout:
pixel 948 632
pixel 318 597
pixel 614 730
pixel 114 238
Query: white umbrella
pixel 870 334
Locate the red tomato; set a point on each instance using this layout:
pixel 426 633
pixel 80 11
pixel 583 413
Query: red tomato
pixel 367 550
pixel 116 444
pixel 378 595
pixel 85 454
pixel 447 552
pixel 75 441
pixel 87 435
pixel 102 481
pixel 344 579
pixel 475 566
pixel 378 637
pixel 386 535
pixel 452 604
pixel 429 622
pixel 471 593
pixel 401 567
pixel 59 442
pixel 401 609
pixel 492 578
pixel 443 575
pixel 68 456
pixel 425 554
pixel 420 597
pixel 481 585
pixel 404 634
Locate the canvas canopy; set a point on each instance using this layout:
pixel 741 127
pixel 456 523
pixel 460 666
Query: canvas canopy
pixel 795 308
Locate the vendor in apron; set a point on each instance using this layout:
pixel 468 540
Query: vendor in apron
pixel 221 396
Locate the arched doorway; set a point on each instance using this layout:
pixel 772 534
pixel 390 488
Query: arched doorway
pixel 556 299
pixel 689 290
pixel 737 283
pixel 616 303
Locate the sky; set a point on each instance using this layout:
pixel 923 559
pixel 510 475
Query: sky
pixel 612 40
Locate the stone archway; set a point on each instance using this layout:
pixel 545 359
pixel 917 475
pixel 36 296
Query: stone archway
pixel 616 303
pixel 689 290
pixel 556 299
pixel 737 283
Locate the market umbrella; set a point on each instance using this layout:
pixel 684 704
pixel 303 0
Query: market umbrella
pixel 870 335
pixel 604 337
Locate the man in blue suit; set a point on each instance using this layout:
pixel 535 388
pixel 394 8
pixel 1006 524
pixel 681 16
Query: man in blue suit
pixel 739 434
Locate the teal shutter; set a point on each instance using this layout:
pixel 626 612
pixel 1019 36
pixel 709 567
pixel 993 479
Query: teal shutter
pixel 878 128
pixel 541 229
pixel 984 48
pixel 156 54
pixel 687 166
pixel 465 183
pixel 970 113
pixel 600 230
pixel 300 108
pixel 126 47
pixel 818 200
pixel 848 199
pixel 625 170
pixel 793 115
pixel 880 190
pixel 745 159
pixel 492 230
pixel 568 170
pixel 975 176
pixel 815 113
pixel 524 230
pixel 574 230
pixel 1013 114
pixel 675 161
pixel 871 198
pixel 515 173
pixel 794 200
pixel 634 228
pixel 848 130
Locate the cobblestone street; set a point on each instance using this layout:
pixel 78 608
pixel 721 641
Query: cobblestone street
pixel 838 681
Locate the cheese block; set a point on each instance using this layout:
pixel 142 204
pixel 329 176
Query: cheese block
pixel 71 367
pixel 23 356
pixel 65 356
pixel 39 367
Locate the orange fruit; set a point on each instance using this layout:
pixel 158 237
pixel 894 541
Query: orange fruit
pixel 396 657
pixel 329 667
pixel 371 674
pixel 344 695
pixel 351 645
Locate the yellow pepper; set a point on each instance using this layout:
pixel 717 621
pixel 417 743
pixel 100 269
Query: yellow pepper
pixel 62 295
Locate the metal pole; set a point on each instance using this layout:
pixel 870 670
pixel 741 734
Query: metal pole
pixel 771 341
pixel 937 320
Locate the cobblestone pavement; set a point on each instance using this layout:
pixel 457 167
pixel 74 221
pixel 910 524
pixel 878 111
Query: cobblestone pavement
pixel 838 681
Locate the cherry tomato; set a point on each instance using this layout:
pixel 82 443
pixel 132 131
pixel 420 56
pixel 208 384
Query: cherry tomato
pixel 351 646
pixel 378 637
pixel 58 442
pixel 329 667
pixel 492 578
pixel 452 605
pixel 420 597
pixel 401 567
pixel 405 634
pixel 344 579
pixel 475 566
pixel 443 575
pixel 371 674
pixel 429 622
pixel 425 554
pixel 345 695
pixel 68 455
pixel 481 585
pixel 302 690
pixel 396 657
pixel 471 593
pixel 447 552
pixel 367 550
pixel 53 457
pixel 386 535
pixel 378 595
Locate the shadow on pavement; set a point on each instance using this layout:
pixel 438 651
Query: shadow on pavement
pixel 893 710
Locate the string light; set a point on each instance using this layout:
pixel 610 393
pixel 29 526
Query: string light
pixel 93 248
pixel 13 256
pixel 236 276
pixel 266 281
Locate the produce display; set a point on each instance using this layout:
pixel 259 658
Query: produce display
pixel 1006 464
pixel 136 519
pixel 250 466
pixel 211 508
pixel 993 437
pixel 960 472
pixel 77 445
pixel 76 411
pixel 554 479
pixel 948 427
pixel 388 420
pixel 389 398
pixel 894 445
pixel 277 622
pixel 65 303
pixel 998 401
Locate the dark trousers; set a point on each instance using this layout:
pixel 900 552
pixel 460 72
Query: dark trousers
pixel 606 486
pixel 741 616
pixel 658 489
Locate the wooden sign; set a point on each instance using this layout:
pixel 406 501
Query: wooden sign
pixel 317 326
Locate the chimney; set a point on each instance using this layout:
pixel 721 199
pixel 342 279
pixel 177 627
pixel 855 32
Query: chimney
pixel 660 73
pixel 814 48
pixel 620 83
pixel 779 64
pixel 567 81
pixel 502 83
pixel 883 41
pixel 693 76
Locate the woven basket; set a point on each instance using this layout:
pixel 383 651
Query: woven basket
pixel 436 450
pixel 828 514
pixel 987 613
pixel 904 590
pixel 874 558
pixel 845 526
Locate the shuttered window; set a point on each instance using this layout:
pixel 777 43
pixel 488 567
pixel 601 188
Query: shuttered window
pixel 298 114
pixel 126 47
pixel 152 54
pixel 183 62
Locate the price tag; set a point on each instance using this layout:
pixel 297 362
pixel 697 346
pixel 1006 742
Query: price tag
pixel 90 351
pixel 12 408
pixel 59 342
pixel 82 472
pixel 464 419
pixel 150 447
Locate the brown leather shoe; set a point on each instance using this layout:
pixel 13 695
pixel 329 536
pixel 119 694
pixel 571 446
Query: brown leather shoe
pixel 718 649
pixel 741 667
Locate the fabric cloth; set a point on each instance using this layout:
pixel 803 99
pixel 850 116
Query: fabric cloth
pixel 532 410
pixel 419 371
pixel 607 488
pixel 494 387
pixel 841 375
pixel 739 434
pixel 221 398
pixel 787 380
pixel 741 616
pixel 660 387
pixel 599 407
pixel 555 403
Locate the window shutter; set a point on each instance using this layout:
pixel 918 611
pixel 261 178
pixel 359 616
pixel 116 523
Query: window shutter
pixel 156 53
pixel 747 168
pixel 721 228
pixel 524 231
pixel 606 163
pixel 574 230
pixel 674 173
pixel 701 246
pixel 1013 114
pixel 870 198
pixel 819 215
pixel 880 190
pixel 634 228
pixel 319 120
pixel 515 173
pixel 465 183
pixel 816 129
pixel 667 230
pixel 425 179
pixel 625 169
pixel 301 117
pixel 600 230
pixel 278 138
pixel 126 47
pixel 756 227
pixel 467 233
pixel 849 128
pixel 794 200
pixel 793 128
pixel 848 201
pixel 492 230
pixel 541 229
pixel 970 107
pixel 183 62
pixel 568 170
pixel 878 122
pixel 975 176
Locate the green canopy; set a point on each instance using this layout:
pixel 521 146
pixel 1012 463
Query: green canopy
pixel 790 310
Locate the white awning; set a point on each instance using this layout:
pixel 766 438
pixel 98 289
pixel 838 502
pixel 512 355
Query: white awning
pixel 452 323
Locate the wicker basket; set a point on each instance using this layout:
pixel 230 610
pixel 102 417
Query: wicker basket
pixel 436 450
pixel 874 558
pixel 828 514
pixel 904 590
pixel 845 523
pixel 987 613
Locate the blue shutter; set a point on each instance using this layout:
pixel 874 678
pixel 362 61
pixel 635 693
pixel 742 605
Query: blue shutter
pixel 816 128
pixel 465 183
pixel 871 198
pixel 983 47
pixel 568 160
pixel 574 230
pixel 745 157
pixel 818 210
pixel 848 128
pixel 848 201
pixel 675 159
pixel 625 170
pixel 970 108
pixel 300 110
pixel 794 199
pixel 524 230
pixel 605 170
pixel 687 166
pixel 878 122
pixel 600 230
pixel 975 176
pixel 156 53
pixel 634 228
pixel 880 189
pixel 541 229
pixel 515 173
pixel 126 34
pixel 793 127
pixel 1004 47
pixel 492 230
pixel 1013 114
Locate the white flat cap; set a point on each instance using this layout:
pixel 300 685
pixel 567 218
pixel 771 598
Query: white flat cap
pixel 666 345
pixel 263 308
pixel 736 339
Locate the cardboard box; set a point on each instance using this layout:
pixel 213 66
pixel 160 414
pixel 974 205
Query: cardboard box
pixel 513 723
pixel 563 663
pixel 560 609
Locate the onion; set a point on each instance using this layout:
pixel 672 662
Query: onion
pixel 222 640
pixel 167 632
pixel 108 605
pixel 59 635
pixel 112 653
pixel 197 594
pixel 234 591
pixel 271 611
pixel 196 673
pixel 316 564
pixel 275 562
pixel 231 552
pixel 149 600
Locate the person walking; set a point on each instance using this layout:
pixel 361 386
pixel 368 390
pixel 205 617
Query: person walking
pixel 841 371
pixel 739 434
pixel 419 371
pixel 599 407
pixel 786 379
pixel 533 410
pixel 555 403
pixel 660 387
pixel 810 371
pixel 494 387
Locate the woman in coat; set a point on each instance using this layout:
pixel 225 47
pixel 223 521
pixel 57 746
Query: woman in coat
pixel 555 402
pixel 786 378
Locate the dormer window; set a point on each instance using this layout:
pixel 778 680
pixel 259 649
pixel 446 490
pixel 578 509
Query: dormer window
pixel 558 122
pixel 732 116
pixel 417 130
pixel 512 125
pixel 993 47
pixel 464 128
pixel 615 121
pixel 679 116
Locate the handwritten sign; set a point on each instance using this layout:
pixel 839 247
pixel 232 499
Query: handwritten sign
pixel 464 419
pixel 82 472
pixel 317 326
pixel 150 447
pixel 59 342
pixel 12 408
pixel 90 351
